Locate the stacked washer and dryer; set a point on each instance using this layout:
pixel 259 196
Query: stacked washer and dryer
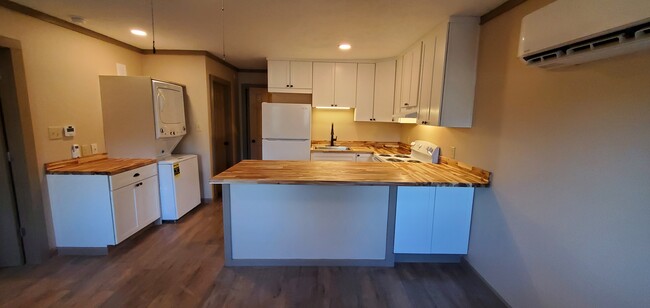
pixel 145 118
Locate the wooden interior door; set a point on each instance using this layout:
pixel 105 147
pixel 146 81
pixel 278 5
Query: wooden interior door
pixel 11 250
pixel 222 143
pixel 256 96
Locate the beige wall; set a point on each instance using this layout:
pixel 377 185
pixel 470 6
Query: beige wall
pixel 565 223
pixel 62 69
pixel 193 72
pixel 346 129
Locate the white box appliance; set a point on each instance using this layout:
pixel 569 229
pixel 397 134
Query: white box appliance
pixel 145 118
pixel 179 185
pixel 286 131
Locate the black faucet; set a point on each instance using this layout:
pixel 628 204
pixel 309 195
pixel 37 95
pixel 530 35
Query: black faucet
pixel 332 137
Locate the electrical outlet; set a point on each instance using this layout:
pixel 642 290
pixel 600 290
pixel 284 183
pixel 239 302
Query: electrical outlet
pixel 85 150
pixel 55 132
pixel 93 148
pixel 452 152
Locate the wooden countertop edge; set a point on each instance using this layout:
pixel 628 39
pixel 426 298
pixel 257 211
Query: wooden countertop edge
pixel 61 167
pixel 355 183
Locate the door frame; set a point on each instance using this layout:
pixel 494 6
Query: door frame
pixel 229 131
pixel 245 123
pixel 24 163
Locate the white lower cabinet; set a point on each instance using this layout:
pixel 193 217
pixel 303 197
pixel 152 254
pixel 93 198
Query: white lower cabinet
pixel 433 220
pixel 102 210
pixel 329 156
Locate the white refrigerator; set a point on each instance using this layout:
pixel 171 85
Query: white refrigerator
pixel 286 131
pixel 179 185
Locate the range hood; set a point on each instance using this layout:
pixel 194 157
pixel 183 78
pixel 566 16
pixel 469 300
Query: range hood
pixel 407 115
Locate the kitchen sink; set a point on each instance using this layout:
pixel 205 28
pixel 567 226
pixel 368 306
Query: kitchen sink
pixel 333 148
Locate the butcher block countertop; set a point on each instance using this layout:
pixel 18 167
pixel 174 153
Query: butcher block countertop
pixel 448 173
pixel 96 164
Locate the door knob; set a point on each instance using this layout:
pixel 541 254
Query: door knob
pixel 253 141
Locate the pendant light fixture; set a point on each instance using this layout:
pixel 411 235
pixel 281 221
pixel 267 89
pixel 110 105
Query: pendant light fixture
pixel 153 31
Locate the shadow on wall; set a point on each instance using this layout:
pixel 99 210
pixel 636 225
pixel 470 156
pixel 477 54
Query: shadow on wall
pixel 489 215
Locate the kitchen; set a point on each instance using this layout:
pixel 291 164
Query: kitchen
pixel 547 137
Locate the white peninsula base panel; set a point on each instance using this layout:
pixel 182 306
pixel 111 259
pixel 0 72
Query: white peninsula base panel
pixel 308 224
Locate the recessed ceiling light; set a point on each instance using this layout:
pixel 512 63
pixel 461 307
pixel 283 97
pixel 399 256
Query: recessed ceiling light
pixel 344 46
pixel 138 32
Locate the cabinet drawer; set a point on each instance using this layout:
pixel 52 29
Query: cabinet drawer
pixel 128 177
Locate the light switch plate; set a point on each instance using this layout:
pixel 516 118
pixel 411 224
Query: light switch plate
pixel 85 150
pixel 55 132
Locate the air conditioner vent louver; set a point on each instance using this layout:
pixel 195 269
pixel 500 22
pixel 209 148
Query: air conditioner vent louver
pixel 569 32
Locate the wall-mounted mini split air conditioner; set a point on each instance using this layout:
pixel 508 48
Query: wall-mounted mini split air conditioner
pixel 569 32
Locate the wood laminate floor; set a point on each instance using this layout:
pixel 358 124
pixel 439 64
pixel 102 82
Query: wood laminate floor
pixel 181 265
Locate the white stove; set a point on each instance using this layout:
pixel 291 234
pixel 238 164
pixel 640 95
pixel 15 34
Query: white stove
pixel 421 152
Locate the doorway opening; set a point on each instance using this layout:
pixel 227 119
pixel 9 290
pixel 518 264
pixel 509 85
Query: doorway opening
pixel 253 97
pixel 223 129
pixel 11 243
pixel 23 225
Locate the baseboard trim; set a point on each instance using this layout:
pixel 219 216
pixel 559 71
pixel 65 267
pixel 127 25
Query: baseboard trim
pixel 422 258
pixel 465 264
pixel 82 251
pixel 308 262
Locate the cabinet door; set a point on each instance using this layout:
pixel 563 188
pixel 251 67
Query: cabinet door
pixel 384 91
pixel 125 217
pixel 397 99
pixel 460 73
pixel 323 91
pixel 345 85
pixel 147 201
pixel 438 74
pixel 333 156
pixel 364 157
pixel 365 92
pixel 407 67
pixel 415 75
pixel 452 217
pixel 278 74
pixel 414 219
pixel 301 75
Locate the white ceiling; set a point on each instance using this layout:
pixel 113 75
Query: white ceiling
pixel 257 29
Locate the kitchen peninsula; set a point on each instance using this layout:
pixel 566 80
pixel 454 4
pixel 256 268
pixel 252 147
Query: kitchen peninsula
pixel 336 213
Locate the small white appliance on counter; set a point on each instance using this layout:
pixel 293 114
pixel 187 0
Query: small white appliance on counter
pixel 286 131
pixel 421 152
pixel 179 185
pixel 145 118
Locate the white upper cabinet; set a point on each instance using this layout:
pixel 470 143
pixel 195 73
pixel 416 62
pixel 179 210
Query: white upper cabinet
pixel 335 84
pixel 289 76
pixel 375 92
pixel 323 92
pixel 365 92
pixel 345 85
pixel 449 73
pixel 384 91
pixel 410 77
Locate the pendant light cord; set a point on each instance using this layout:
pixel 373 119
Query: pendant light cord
pixel 223 29
pixel 153 29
